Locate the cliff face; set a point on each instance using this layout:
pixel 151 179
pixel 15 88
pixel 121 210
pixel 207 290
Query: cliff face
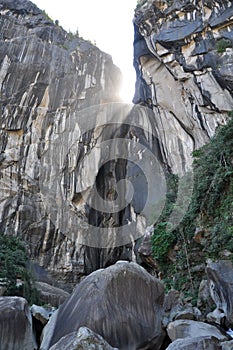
pixel 68 151
pixel 46 77
pixel 183 58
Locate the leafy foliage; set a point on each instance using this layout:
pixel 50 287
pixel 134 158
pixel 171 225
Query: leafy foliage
pixel 163 238
pixel 14 264
pixel 222 45
pixel 211 208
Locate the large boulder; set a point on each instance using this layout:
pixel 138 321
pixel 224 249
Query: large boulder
pixel 189 329
pixel 84 339
pixel 122 303
pixel 197 343
pixel 15 324
pixel 220 279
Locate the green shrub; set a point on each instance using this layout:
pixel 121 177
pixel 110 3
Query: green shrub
pixel 14 265
pixel 230 114
pixel 211 208
pixel 222 45
pixel 162 241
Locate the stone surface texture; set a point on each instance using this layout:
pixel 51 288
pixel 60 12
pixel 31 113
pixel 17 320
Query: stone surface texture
pixel 61 118
pixel 84 339
pixel 220 280
pixel 195 343
pixel 183 58
pixel 123 303
pixel 188 329
pixel 51 295
pixel 15 324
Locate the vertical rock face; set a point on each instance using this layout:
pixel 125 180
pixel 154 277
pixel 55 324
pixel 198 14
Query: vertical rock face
pixel 68 151
pixel 46 77
pixel 183 58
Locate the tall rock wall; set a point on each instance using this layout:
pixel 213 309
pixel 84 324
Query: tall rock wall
pixel 79 171
pixel 69 149
pixel 46 77
pixel 184 59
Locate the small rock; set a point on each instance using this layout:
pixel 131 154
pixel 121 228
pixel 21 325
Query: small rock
pixel 227 345
pixel 216 316
pixel 204 300
pixel 195 343
pixel 188 328
pixel 40 313
pixel 50 294
pixel 200 235
pixel 174 308
pixel 225 253
pixel 84 339
pixel 186 314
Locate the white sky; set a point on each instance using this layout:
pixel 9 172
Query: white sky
pixel 106 22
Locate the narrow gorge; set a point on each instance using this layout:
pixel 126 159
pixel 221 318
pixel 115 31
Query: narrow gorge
pixel 121 212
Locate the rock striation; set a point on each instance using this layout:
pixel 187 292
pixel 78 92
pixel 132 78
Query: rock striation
pixel 68 149
pixel 123 303
pixel 15 324
pixel 84 339
pixel 183 57
pixel 220 280
pixel 64 173
pixel 46 77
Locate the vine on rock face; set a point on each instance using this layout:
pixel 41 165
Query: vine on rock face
pixel 210 213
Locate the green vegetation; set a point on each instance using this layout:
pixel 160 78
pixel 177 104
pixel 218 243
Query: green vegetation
pixel 14 269
pixel 210 209
pixel 163 239
pixel 140 3
pixel 47 16
pixel 222 45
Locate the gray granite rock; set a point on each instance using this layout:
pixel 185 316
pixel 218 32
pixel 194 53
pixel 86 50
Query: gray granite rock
pixel 220 280
pixel 183 55
pixel 60 122
pixel 84 339
pixel 15 324
pixel 122 303
pixel 40 313
pixel 228 345
pixel 189 328
pixel 195 343
pixel 51 295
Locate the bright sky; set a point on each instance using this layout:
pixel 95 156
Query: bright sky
pixel 106 22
